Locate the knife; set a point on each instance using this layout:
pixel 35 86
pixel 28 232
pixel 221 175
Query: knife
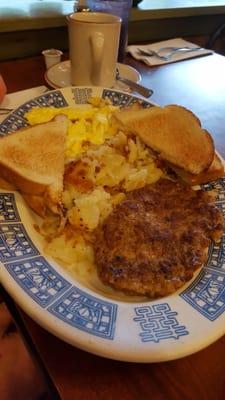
pixel 136 87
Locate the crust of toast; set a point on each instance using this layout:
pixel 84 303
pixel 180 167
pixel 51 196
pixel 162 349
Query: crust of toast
pixel 32 161
pixel 36 203
pixel 214 172
pixel 6 185
pixel 174 132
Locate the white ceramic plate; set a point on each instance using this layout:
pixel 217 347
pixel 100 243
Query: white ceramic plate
pixel 58 76
pixel 78 312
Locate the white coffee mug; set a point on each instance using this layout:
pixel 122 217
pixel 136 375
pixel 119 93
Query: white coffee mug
pixel 93 47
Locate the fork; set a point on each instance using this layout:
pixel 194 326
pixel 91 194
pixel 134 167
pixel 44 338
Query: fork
pixel 172 51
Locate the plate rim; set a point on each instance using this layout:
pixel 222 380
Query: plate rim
pixel 39 315
pixel 108 353
pixel 55 86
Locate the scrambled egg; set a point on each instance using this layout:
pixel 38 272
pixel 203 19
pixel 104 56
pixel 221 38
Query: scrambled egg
pixel 88 124
pixel 103 164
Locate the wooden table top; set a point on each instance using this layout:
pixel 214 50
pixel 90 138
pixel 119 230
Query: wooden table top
pixel 198 84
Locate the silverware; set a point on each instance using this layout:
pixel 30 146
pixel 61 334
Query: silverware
pixel 170 51
pixel 136 87
pixel 4 110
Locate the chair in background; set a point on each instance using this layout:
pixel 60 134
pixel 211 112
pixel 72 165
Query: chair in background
pixel 216 40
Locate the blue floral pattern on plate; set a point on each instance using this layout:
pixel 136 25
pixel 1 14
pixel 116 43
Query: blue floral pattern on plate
pixel 148 324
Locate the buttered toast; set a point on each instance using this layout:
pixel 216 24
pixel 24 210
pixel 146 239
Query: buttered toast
pixel 173 132
pixel 32 160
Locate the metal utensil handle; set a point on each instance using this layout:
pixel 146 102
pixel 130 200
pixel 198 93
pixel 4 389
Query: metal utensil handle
pixel 166 56
pixel 168 49
pixel 137 87
pixel 182 50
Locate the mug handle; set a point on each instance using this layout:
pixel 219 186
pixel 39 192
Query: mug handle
pixel 97 46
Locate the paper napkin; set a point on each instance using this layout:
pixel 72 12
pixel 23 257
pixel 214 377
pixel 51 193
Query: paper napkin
pixel 15 99
pixel 177 42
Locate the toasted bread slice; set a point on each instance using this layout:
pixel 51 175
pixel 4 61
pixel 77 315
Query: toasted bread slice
pixel 38 204
pixel 6 185
pixel 32 160
pixel 35 202
pixel 174 132
pixel 214 172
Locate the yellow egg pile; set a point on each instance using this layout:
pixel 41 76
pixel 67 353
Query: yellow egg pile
pixel 88 124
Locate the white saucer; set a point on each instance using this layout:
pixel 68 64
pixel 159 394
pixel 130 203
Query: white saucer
pixel 58 76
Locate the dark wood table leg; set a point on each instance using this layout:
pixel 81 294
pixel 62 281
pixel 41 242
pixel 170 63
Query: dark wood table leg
pixel 18 319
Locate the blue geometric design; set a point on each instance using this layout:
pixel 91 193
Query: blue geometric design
pixel 38 279
pixel 117 99
pixel 219 186
pixel 49 99
pixel 15 243
pixel 11 124
pixel 8 208
pixel 86 313
pixel 81 95
pixel 216 255
pixel 16 120
pixel 52 99
pixel 124 100
pixel 207 293
pixel 142 103
pixel 158 322
pixel 24 108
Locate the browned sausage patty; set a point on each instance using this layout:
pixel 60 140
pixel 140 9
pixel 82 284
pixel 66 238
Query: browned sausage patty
pixel 156 238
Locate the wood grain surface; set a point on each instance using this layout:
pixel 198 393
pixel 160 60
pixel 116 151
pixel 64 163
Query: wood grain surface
pixel 79 375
